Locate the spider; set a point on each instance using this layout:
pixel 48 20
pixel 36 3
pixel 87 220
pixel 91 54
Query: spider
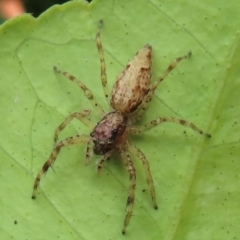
pixel 130 97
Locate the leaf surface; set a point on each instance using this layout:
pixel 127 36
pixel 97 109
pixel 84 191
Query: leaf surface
pixel 197 179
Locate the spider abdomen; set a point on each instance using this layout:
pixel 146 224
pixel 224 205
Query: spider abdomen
pixel 133 83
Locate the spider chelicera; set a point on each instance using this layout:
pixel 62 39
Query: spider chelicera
pixel 130 97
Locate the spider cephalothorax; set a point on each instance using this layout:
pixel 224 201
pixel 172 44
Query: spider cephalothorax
pixel 109 132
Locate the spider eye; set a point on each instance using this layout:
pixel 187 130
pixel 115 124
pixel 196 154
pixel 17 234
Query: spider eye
pixel 114 133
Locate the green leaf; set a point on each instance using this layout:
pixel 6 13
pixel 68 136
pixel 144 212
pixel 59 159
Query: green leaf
pixel 197 179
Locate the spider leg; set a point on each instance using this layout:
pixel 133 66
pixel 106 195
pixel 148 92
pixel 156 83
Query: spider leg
pixel 169 69
pixel 103 160
pixel 102 62
pixel 158 121
pixel 147 99
pixel 89 151
pixel 131 190
pixel 136 151
pixel 82 116
pixel 85 90
pixel 64 143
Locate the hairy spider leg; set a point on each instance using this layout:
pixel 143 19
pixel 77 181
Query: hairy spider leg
pixel 85 90
pixel 89 151
pixel 169 69
pixel 81 116
pixel 102 161
pixel 102 62
pixel 136 151
pixel 158 121
pixel 64 143
pixel 132 185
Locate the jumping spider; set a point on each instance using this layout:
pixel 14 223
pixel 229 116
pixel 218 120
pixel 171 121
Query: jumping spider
pixel 130 97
